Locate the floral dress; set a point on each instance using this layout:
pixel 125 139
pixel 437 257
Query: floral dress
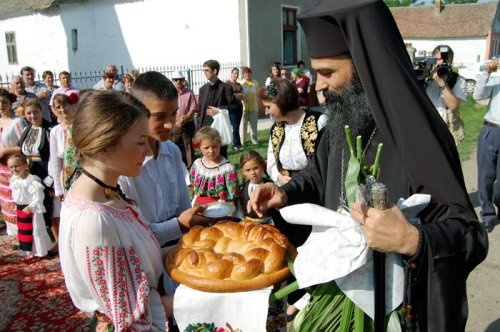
pixel 212 183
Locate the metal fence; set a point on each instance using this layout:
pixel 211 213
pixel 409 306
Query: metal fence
pixel 87 79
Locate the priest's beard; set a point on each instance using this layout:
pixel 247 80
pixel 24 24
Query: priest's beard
pixel 348 106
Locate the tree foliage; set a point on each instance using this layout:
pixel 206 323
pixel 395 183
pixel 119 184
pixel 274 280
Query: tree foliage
pixel 399 3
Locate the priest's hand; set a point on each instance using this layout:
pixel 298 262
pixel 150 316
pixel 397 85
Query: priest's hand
pixel 266 196
pixel 386 230
pixel 192 217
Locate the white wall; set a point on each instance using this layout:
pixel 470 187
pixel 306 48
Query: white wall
pixel 467 50
pixel 40 41
pixel 128 32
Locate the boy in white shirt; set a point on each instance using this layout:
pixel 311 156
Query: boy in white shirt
pixel 160 190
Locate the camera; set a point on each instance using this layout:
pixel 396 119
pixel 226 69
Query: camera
pixel 444 70
pixel 422 66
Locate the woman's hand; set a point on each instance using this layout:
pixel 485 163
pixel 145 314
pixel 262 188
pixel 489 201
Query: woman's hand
pixel 27 210
pixel 386 230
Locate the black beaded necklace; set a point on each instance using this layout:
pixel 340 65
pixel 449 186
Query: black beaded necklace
pixel 109 191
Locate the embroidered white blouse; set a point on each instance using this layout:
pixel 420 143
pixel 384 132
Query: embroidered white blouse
pixel 10 135
pixel 111 263
pixel 292 155
pixel 28 191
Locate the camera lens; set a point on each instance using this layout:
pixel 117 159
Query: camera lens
pixel 443 71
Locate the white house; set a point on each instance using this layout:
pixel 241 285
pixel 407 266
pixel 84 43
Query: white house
pixel 90 34
pixel 472 30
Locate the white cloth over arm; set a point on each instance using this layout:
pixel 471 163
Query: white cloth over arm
pixel 337 250
pixel 111 263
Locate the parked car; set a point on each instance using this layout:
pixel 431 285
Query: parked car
pixel 473 72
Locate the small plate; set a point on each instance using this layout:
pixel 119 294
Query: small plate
pixel 218 209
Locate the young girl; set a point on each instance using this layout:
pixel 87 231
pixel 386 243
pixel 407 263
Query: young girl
pixel 34 143
pixel 253 167
pixel 213 176
pixel 63 107
pixel 110 258
pixel 27 192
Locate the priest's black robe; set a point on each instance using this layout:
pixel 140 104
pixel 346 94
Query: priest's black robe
pixel 419 155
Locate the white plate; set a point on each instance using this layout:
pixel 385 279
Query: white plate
pixel 218 209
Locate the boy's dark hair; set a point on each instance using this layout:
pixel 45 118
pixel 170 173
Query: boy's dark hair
pixel 250 155
pixel 153 84
pixel 301 63
pixel 212 64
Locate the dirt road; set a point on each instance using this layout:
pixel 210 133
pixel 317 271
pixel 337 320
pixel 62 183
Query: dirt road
pixel 483 285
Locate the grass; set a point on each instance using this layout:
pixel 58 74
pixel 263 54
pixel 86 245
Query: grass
pixel 471 112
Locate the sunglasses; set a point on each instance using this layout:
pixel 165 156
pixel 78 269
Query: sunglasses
pixel 177 79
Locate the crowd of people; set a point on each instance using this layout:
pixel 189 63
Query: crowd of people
pixel 100 176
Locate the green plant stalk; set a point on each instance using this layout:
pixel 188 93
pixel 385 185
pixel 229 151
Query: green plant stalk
pixel 376 164
pixel 347 311
pixel 279 294
pixel 359 319
pixel 349 140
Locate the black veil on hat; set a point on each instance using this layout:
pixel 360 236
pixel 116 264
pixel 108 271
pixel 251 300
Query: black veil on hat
pixel 404 115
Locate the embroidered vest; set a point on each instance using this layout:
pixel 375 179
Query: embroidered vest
pixel 308 135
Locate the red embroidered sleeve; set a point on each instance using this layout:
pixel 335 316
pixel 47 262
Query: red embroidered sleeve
pixel 119 281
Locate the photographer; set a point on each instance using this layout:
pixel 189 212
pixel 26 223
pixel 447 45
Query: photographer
pixel 488 163
pixel 447 90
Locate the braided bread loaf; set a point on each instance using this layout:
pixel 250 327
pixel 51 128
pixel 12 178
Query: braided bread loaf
pixel 230 257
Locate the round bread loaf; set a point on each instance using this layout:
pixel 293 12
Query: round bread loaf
pixel 230 257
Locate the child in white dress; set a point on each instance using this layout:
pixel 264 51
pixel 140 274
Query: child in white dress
pixel 27 192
